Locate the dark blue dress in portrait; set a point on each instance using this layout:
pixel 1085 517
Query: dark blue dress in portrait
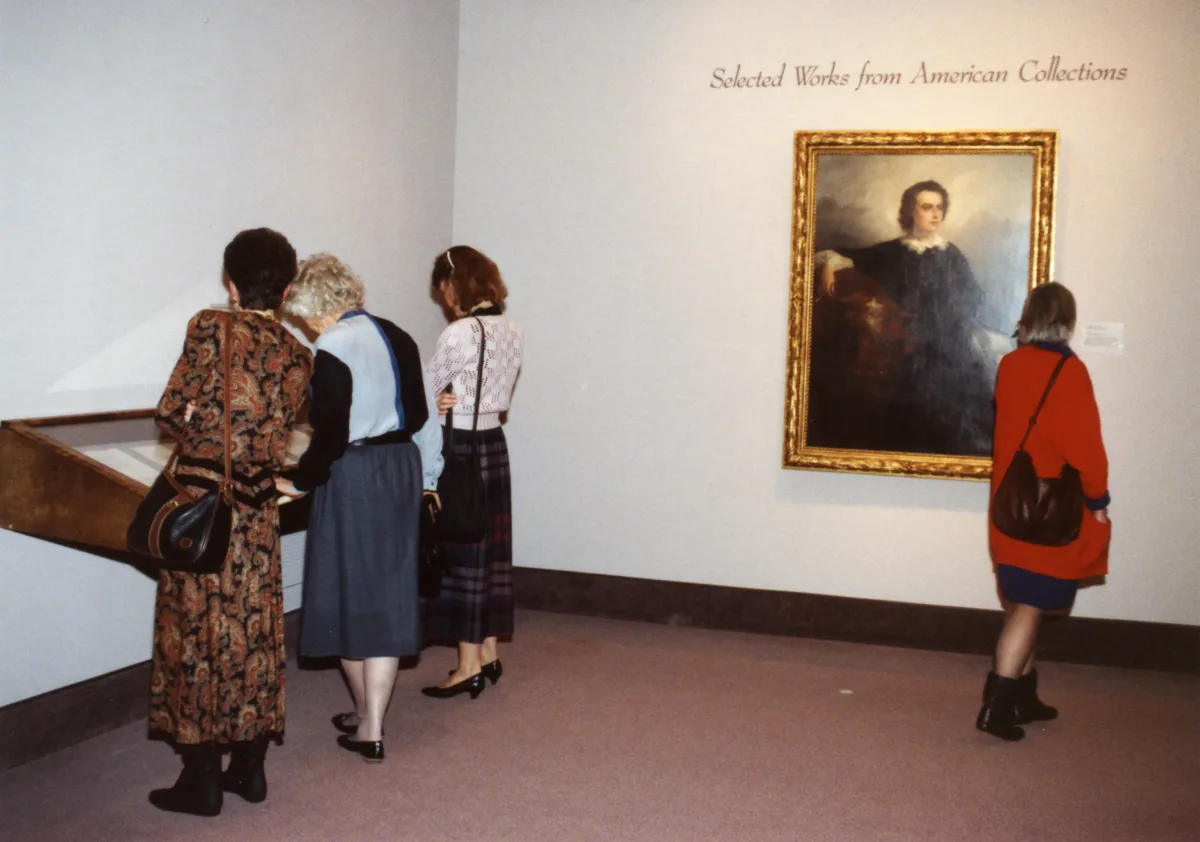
pixel 897 363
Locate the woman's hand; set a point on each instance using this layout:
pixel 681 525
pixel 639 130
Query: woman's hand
pixel 830 262
pixel 445 402
pixel 437 501
pixel 1101 515
pixel 828 281
pixel 187 412
pixel 287 488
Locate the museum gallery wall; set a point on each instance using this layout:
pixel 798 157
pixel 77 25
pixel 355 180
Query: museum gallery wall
pixel 630 166
pixel 147 136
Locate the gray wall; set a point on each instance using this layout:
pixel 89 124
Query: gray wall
pixel 136 138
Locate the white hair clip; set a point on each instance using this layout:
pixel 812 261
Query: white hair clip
pixel 448 260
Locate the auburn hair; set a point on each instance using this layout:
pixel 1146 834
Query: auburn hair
pixel 473 275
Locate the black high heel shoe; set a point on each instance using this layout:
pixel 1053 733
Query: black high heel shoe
pixel 491 671
pixel 473 685
pixel 370 750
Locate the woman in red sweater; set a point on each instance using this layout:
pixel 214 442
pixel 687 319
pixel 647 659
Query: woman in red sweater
pixel 1032 578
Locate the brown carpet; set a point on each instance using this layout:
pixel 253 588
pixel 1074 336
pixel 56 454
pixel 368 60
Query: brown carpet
pixel 602 729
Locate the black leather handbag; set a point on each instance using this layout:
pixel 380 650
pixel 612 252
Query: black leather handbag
pixel 173 528
pixel 1033 509
pixel 432 566
pixel 463 518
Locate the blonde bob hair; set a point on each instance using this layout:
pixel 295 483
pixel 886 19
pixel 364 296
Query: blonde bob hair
pixel 1048 315
pixel 324 286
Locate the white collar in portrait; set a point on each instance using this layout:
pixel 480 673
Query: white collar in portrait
pixel 922 246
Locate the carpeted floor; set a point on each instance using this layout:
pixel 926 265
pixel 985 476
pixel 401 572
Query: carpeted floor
pixel 603 729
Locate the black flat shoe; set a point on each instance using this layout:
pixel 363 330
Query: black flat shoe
pixel 473 685
pixel 340 722
pixel 491 671
pixel 371 750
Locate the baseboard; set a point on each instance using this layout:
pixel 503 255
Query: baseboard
pixel 1112 643
pixel 34 727
pixel 44 724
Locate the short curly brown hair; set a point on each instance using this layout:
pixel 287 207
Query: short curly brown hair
pixel 474 276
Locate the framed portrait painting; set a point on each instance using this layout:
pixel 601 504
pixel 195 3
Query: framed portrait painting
pixel 912 253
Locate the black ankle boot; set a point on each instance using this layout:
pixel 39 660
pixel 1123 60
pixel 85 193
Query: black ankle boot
pixel 245 775
pixel 1029 708
pixel 198 789
pixel 997 716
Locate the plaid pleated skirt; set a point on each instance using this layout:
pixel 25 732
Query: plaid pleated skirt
pixel 476 600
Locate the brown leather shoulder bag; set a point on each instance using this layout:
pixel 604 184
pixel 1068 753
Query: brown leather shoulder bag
pixel 1029 508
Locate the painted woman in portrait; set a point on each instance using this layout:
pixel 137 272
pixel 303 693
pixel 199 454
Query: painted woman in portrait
pixel 898 363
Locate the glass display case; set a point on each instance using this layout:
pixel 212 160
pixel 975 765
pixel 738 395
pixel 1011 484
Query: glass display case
pixel 78 479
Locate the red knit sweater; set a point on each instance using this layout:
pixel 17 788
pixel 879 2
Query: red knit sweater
pixel 1068 429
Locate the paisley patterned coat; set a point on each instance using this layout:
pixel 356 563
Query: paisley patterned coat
pixel 218 662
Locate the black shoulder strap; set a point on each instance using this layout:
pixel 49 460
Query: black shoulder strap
pixel 448 434
pixel 1042 402
pixel 479 375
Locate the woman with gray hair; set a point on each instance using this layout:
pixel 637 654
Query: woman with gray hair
pixel 376 444
pixel 1045 407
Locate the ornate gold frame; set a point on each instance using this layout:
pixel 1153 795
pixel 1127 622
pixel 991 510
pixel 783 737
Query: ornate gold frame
pixel 1042 145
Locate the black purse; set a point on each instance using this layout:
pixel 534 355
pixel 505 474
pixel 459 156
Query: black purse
pixel 432 565
pixel 1029 508
pixel 176 530
pixel 463 517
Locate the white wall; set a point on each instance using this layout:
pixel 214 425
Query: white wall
pixel 643 222
pixel 136 138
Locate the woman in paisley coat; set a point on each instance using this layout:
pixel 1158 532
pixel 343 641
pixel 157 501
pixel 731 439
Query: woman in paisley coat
pixel 217 681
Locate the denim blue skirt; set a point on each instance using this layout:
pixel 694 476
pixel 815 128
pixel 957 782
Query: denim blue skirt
pixel 1025 587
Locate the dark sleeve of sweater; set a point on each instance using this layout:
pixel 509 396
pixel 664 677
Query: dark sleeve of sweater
pixel 412 374
pixel 332 388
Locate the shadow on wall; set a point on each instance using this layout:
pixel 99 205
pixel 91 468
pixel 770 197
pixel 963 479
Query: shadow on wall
pixel 890 492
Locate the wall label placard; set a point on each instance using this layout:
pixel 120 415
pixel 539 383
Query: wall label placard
pixel 873 75
pixel 1102 338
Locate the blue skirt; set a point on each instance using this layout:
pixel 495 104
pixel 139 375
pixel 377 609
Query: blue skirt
pixel 1025 587
pixel 360 560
